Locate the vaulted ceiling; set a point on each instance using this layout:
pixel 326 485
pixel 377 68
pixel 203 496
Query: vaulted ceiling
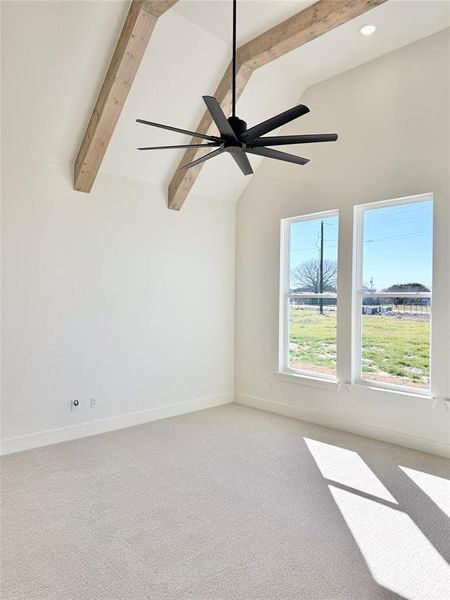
pixel 55 55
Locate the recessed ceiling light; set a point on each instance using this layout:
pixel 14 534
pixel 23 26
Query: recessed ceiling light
pixel 367 30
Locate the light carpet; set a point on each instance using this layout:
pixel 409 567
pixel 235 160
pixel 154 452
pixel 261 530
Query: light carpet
pixel 228 503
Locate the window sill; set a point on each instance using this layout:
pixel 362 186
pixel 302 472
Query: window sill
pixel 302 379
pixel 407 397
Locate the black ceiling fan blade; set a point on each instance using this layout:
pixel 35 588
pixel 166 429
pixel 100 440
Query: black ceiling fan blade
pixel 219 117
pixel 241 160
pixel 211 144
pixel 282 140
pixel 269 153
pixel 202 159
pixel 275 122
pixel 211 138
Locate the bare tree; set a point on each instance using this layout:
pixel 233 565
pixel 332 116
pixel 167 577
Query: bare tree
pixel 307 276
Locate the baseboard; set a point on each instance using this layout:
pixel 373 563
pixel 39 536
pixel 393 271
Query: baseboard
pixel 64 434
pixel 55 436
pixel 336 422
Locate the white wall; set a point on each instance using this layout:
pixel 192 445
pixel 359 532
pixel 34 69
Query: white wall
pixel 392 118
pixel 109 295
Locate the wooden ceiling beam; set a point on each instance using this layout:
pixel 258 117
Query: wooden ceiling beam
pixel 157 7
pixel 307 25
pixel 133 40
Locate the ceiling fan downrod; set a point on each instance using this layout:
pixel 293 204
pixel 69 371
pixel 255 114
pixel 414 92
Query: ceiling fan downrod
pixel 238 125
pixel 233 95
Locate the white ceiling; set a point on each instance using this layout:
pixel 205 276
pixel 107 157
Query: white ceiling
pixel 253 16
pixel 398 22
pixel 54 56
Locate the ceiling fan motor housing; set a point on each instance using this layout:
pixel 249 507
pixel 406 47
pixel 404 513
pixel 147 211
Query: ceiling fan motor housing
pixel 238 125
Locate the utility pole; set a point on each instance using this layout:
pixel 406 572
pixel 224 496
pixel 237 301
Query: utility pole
pixel 321 268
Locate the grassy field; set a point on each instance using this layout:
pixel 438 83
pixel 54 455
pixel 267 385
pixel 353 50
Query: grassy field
pixel 395 348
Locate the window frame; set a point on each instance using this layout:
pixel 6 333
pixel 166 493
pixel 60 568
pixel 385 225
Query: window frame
pixel 358 295
pixel 285 295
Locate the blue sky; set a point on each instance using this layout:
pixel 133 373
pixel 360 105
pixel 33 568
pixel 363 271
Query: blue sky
pixel 397 243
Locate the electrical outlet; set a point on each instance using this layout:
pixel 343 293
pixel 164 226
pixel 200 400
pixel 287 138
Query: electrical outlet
pixel 92 403
pixel 74 405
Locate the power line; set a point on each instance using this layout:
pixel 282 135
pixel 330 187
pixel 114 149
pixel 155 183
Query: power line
pixel 400 235
pixel 368 224
pixel 397 213
pixel 385 237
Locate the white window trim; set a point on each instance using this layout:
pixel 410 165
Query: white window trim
pixel 326 382
pixel 357 296
pixel 284 371
pixel 405 396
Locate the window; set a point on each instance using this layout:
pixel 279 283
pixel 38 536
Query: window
pixel 309 295
pixel 393 252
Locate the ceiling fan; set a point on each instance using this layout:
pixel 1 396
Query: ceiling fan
pixel 239 141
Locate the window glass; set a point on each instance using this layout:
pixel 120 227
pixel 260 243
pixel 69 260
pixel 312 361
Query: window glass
pixel 312 335
pixel 306 250
pixel 398 246
pixel 310 297
pixel 397 251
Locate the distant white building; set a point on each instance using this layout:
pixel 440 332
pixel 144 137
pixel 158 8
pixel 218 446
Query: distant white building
pixel 376 310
